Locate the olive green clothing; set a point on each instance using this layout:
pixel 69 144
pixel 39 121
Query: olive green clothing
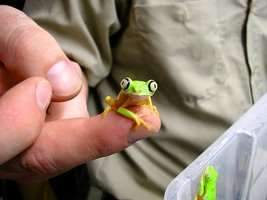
pixel 209 58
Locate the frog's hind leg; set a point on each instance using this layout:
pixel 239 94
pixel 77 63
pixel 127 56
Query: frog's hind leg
pixel 138 120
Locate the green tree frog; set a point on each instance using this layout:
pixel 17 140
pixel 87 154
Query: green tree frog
pixel 207 186
pixel 133 92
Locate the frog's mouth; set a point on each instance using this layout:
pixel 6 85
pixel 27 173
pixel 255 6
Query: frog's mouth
pixel 137 97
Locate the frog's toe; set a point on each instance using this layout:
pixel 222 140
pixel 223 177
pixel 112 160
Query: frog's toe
pixel 109 100
pixel 140 122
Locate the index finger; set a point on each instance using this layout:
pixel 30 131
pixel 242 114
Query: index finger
pixel 67 143
pixel 28 50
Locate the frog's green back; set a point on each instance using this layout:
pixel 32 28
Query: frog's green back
pixel 207 185
pixel 211 182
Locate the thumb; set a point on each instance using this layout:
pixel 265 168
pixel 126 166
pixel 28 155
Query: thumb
pixel 27 50
pixel 22 116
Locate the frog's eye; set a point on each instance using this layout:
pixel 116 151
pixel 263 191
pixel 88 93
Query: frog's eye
pixel 207 176
pixel 125 83
pixel 152 85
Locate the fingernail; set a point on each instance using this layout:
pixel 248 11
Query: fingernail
pixel 64 79
pixel 43 94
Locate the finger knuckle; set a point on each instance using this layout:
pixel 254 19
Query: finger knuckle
pixel 37 163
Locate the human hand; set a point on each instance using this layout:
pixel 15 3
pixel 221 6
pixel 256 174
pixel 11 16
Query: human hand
pixel 36 142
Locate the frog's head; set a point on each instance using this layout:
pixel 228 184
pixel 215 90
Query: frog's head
pixel 138 88
pixel 210 176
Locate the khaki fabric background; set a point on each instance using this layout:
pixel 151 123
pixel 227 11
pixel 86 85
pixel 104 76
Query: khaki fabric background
pixel 208 57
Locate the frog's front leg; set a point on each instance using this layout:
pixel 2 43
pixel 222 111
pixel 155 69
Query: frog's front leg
pixel 138 120
pixel 110 101
pixel 152 107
